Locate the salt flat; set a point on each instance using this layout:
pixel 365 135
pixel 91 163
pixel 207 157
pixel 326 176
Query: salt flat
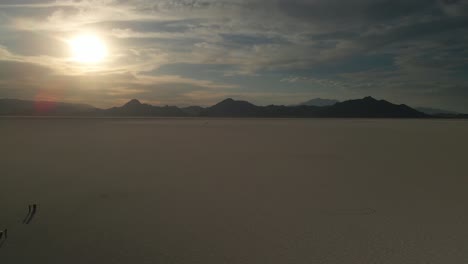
pixel 234 190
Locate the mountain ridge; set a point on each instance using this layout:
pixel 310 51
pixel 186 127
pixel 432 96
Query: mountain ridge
pixel 319 102
pixel 367 107
pixel 436 111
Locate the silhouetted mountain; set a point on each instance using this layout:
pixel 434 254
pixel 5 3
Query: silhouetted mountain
pixel 451 116
pixel 367 107
pixel 132 104
pixel 136 108
pixel 370 107
pixel 320 102
pixel 193 110
pixel 42 108
pixel 232 108
pixel 435 111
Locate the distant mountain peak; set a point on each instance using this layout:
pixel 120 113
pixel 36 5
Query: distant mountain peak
pixel 231 107
pixel 133 102
pixel 231 102
pixel 369 98
pixel 228 100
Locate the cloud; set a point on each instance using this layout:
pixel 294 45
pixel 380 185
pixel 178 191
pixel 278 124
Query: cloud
pixel 454 7
pixel 35 44
pixel 103 89
pixel 413 47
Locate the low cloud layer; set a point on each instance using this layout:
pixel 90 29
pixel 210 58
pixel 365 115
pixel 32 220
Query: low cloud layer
pixel 268 51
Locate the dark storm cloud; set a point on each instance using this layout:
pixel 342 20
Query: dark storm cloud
pixel 358 11
pixel 444 31
pixel 455 7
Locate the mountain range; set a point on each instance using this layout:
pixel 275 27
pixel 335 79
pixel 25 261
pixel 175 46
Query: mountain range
pixel 436 111
pixel 367 107
pixel 320 102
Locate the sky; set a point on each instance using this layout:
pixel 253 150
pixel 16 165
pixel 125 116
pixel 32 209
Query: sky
pixel 199 52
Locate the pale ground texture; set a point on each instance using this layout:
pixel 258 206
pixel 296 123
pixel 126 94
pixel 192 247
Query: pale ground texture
pixel 234 191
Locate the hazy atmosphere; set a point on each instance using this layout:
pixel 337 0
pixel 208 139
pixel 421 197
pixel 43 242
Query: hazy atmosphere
pixel 197 52
pixel 233 131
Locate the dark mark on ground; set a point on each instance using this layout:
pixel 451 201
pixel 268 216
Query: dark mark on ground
pixel 32 214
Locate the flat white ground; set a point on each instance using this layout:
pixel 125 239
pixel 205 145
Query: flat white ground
pixel 234 191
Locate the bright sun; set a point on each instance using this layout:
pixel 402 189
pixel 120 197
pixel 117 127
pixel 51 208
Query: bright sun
pixel 88 49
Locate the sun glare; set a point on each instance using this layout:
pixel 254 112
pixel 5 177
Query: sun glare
pixel 88 49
